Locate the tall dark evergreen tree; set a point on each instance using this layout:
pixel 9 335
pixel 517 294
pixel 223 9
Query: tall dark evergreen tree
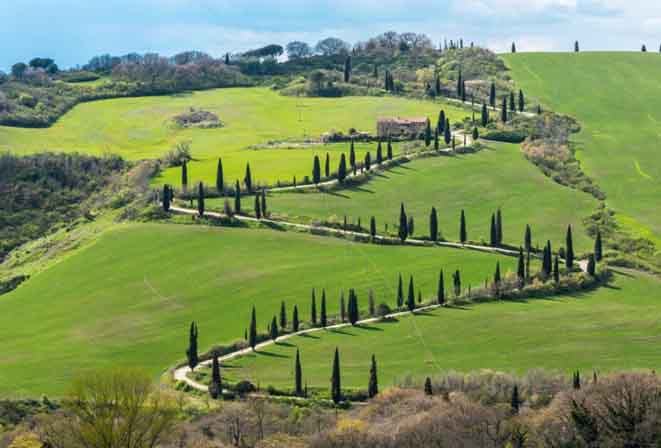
pixel 323 317
pixel 327 166
pixel 343 308
pixel 556 269
pixel 368 161
pixel 433 225
pixel 353 309
pixel 428 388
pixel 576 47
pixel 456 283
pixel 410 301
pixel 184 176
pixel 437 86
pixel 313 308
pixel 521 268
pixel 352 157
pixel 200 199
pixel 447 132
pixel 389 148
pixel 592 265
pixel 400 292
pixel 515 403
pixel 403 224
pixel 252 332
pixel 410 226
pixel 336 385
pixel 191 352
pixel 493 238
pixel 298 375
pixel 476 134
pixel 485 115
pixel 379 153
pixel 373 385
pixel 496 276
pixel 428 134
pixel 503 111
pixel 342 169
pixel 373 227
pixel 347 69
pixel 220 178
pixel 166 198
pixel 522 101
pixel 598 249
pixel 512 103
pixel 283 316
pixel 463 234
pixel 440 124
pixel 569 249
pixel 216 385
pixel 547 262
pixel 274 329
pixel 263 205
pixel 440 293
pixel 492 95
pixel 499 227
pixel 528 239
pixel 258 208
pixel 247 179
pixel 463 91
pixel 237 198
pixel 437 144
pixel 316 170
pixel 513 47
pixel 294 320
pixel 460 84
pixel 227 59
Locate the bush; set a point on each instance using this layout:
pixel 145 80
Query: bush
pixel 383 310
pixel 27 100
pixel 506 136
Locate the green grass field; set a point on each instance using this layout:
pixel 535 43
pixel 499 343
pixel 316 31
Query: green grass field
pixel 613 328
pixel 479 183
pixel 617 98
pixel 139 128
pixel 128 299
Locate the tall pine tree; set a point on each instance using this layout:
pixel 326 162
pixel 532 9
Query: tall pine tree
pixel 342 169
pixel 336 385
pixel 598 249
pixel 316 170
pixel 440 294
pixel 410 301
pixel 184 176
pixel 237 198
pixel 463 234
pixel 400 292
pixel 216 385
pixel 247 179
pixel 403 224
pixel 323 318
pixel 295 323
pixel 220 178
pixel 191 353
pixel 569 249
pixel 298 375
pixel 313 309
pixel 373 385
pixel 252 332
pixel 433 225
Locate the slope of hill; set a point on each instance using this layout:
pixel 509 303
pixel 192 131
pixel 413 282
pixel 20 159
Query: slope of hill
pixel 128 299
pixel 616 97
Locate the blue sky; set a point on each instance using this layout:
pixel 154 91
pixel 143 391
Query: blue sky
pixel 72 31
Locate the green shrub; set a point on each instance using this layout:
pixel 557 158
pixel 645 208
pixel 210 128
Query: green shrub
pixel 507 136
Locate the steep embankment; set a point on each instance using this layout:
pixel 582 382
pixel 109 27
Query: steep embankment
pixel 616 97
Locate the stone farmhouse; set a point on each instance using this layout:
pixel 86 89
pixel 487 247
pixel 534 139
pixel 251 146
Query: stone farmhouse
pixel 401 127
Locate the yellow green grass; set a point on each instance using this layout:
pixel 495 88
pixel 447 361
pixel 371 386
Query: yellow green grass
pixel 613 328
pixel 616 97
pixel 138 128
pixel 128 299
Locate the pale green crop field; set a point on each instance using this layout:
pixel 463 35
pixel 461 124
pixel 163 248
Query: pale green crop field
pixel 617 99
pixel 138 128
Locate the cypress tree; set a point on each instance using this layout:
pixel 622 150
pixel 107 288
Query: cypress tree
pixel 283 316
pixel 493 239
pixel 456 280
pixel 476 134
pixel 227 59
pixel 433 225
pixel 373 385
pixel 644 48
pixel 184 176
pixel 496 276
pixel 372 227
pixel 327 166
pixel 376 71
pixel 463 235
pixel 200 199
pixel 191 353
pixel 598 249
pixel 522 101
pixel 400 293
pixel 512 104
pixel 528 238
pixel 410 302
pixel 237 198
pixel 353 309
pixel 352 157
pixel 521 268
pixel 336 386
pixel 343 308
pixel 556 269
pixel 410 226
pixel 368 161
pixel 438 85
pixel 379 153
pixel 576 47
pixel 539 109
pixel 428 133
pixel 515 403
pixel 342 169
pixel 274 329
pixel 216 386
pixel 389 148
pixel 485 115
pixel 460 84
pixel 440 294
pixel 313 309
pixel 569 256
pixel 252 332
pixel 503 111
pixel 513 47
pixel 492 95
pixel 437 144
pixel 316 170
pixel 440 124
pixel 549 259
pixel 263 207
pixel 294 320
pixel 576 380
pixel 403 224
pixel 347 69
pixel 298 375
pixel 258 211
pixel 220 179
pixel 447 132
pixel 499 227
pixel 592 265
pixel 463 91
pixel 247 179
pixel 323 317
pixel 428 389
pixel 166 198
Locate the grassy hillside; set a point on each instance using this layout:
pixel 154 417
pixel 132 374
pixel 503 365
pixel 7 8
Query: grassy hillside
pixel 616 97
pixel 608 329
pixel 129 299
pixel 141 128
pixel 479 183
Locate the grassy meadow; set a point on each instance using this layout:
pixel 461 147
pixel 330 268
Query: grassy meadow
pixel 138 128
pixel 613 328
pixel 616 98
pixel 128 299
pixel 497 177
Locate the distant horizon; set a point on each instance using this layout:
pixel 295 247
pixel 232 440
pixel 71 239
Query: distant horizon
pixel 73 31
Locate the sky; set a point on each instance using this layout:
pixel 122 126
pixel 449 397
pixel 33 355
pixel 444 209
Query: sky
pixel 72 31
